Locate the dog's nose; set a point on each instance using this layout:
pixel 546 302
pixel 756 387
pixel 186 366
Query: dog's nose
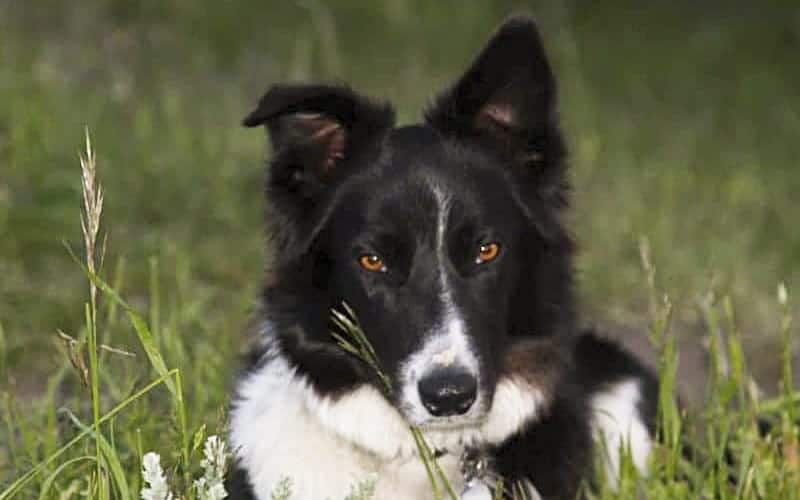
pixel 447 392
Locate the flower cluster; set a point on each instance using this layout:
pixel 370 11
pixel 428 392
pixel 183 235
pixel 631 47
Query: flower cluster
pixel 211 486
pixel 156 483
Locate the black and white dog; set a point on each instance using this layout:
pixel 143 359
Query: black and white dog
pixel 446 239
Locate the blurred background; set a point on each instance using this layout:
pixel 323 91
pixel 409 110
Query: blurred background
pixel 683 120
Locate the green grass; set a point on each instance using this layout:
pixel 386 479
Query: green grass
pixel 682 121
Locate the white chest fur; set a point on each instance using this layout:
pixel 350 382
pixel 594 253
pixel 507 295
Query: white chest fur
pixel 280 429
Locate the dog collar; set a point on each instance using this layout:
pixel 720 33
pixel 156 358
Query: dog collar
pixel 474 464
pixel 481 481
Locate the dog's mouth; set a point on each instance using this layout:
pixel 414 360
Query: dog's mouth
pixel 452 434
pixel 451 423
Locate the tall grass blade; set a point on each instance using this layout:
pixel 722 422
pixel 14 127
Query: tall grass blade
pixel 787 351
pixel 90 225
pixel 137 321
pixel 109 455
pixel 14 487
pixel 3 352
pixel 47 484
pixel 151 349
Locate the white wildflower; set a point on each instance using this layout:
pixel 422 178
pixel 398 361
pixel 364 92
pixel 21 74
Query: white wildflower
pixel 211 485
pixel 153 475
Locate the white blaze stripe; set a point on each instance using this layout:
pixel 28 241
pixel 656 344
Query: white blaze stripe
pixel 453 326
pixel 448 344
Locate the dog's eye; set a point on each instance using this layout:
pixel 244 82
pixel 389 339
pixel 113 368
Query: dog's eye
pixel 372 263
pixel 487 253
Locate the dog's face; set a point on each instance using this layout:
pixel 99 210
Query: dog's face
pixel 424 246
pixel 443 237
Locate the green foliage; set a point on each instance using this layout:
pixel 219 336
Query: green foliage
pixel 682 120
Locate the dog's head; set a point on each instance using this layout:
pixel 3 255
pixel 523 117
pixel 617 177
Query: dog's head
pixel 444 237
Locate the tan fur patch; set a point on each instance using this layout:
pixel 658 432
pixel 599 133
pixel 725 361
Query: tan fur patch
pixel 538 363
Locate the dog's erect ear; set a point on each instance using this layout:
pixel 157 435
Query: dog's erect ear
pixel 507 96
pixel 315 129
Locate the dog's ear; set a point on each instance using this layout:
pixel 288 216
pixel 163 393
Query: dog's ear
pixel 507 97
pixel 315 130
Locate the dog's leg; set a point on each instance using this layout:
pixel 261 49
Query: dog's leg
pixel 238 485
pixel 608 403
pixel 554 453
pixel 622 397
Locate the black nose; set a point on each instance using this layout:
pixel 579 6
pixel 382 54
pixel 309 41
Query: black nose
pixel 448 392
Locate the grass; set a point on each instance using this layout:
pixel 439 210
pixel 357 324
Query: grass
pixel 682 122
pixel 733 455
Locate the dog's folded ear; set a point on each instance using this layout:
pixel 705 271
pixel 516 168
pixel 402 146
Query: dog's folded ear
pixel 507 96
pixel 315 129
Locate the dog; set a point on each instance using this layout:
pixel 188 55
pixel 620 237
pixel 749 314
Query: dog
pixel 446 241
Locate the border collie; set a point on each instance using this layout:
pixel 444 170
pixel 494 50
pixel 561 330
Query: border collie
pixel 447 240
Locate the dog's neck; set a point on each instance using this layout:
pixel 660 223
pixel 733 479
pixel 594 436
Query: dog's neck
pixel 279 419
pixel 281 428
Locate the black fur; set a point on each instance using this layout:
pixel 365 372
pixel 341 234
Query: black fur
pixel 237 484
pixel 343 182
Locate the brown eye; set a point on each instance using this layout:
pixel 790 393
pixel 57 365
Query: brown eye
pixel 372 263
pixel 487 253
